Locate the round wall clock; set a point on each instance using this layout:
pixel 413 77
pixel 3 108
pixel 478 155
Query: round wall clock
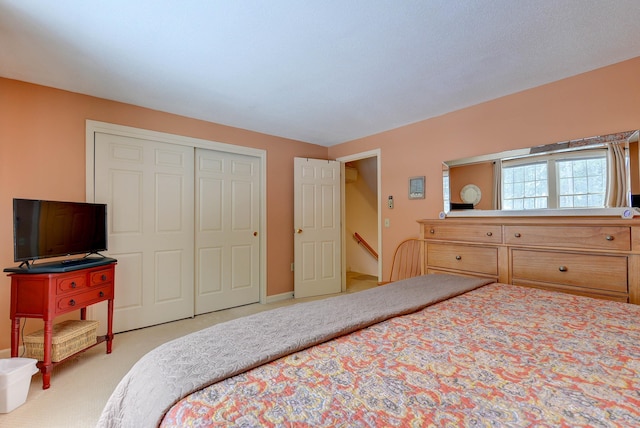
pixel 470 194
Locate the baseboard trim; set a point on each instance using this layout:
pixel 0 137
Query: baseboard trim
pixel 280 297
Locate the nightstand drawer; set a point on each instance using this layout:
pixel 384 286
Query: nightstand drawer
pixel 600 272
pixel 490 234
pixel 592 237
pixel 70 284
pixel 80 300
pixel 483 260
pixel 101 277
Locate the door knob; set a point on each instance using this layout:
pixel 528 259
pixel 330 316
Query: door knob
pixel 298 230
pixel 255 233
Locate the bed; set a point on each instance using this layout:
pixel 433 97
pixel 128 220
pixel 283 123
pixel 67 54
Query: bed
pixel 435 350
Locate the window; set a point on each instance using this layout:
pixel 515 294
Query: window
pixel 578 181
pixel 445 190
pixel 525 186
pixel 582 182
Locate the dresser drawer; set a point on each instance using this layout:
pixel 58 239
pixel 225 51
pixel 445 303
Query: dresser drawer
pixel 483 260
pixel 600 272
pixel 491 234
pixel 88 297
pixel 101 277
pixel 70 283
pixel 591 237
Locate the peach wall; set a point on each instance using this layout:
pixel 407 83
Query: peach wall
pixel 602 101
pixel 42 155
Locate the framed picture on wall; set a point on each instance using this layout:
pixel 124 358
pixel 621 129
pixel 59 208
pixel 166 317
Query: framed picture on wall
pixel 416 187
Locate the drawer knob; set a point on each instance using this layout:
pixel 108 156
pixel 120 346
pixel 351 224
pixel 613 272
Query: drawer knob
pixel 72 302
pixel 563 269
pixel 458 257
pixel 103 277
pixel 432 231
pixel 101 294
pixel 489 233
pixel 609 238
pixel 517 234
pixel 73 284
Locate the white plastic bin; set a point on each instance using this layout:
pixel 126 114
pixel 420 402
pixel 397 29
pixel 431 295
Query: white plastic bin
pixel 15 378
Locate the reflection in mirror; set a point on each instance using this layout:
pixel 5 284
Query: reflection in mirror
pixel 595 172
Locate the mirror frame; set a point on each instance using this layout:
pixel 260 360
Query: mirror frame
pixel 547 149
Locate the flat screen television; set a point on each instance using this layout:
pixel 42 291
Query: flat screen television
pixel 45 229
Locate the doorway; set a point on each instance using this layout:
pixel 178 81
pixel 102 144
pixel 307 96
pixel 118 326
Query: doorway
pixel 361 214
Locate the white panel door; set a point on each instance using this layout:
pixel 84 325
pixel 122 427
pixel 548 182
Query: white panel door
pixel 316 220
pixel 149 189
pixel 227 234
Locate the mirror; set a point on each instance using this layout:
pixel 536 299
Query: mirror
pixel 594 173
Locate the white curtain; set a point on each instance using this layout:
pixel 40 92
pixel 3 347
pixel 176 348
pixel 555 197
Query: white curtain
pixel 617 186
pixel 497 185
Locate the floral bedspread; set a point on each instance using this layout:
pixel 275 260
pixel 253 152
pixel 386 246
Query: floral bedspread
pixel 500 355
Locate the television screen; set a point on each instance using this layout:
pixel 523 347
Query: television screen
pixel 43 229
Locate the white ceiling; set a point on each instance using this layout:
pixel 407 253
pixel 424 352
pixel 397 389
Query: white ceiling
pixel 325 71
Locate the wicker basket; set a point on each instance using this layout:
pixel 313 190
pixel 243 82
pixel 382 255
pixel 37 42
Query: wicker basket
pixel 68 338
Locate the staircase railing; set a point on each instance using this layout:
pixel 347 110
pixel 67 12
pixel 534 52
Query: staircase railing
pixel 365 244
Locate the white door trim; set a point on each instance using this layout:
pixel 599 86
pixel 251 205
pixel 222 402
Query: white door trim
pixel 354 157
pixel 93 126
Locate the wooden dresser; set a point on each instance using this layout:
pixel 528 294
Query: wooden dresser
pixel 592 256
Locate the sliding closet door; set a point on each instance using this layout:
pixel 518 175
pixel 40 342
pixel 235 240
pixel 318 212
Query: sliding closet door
pixel 149 188
pixel 227 237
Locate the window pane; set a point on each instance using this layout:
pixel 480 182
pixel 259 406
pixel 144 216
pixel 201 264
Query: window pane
pixel 566 186
pixel 525 186
pixel 597 183
pixel 507 175
pixel 541 202
pixel 445 192
pixel 542 187
pixel 579 168
pixel 507 191
pixel 582 182
pixel 566 202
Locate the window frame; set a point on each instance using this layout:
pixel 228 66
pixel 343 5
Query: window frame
pixel 553 180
